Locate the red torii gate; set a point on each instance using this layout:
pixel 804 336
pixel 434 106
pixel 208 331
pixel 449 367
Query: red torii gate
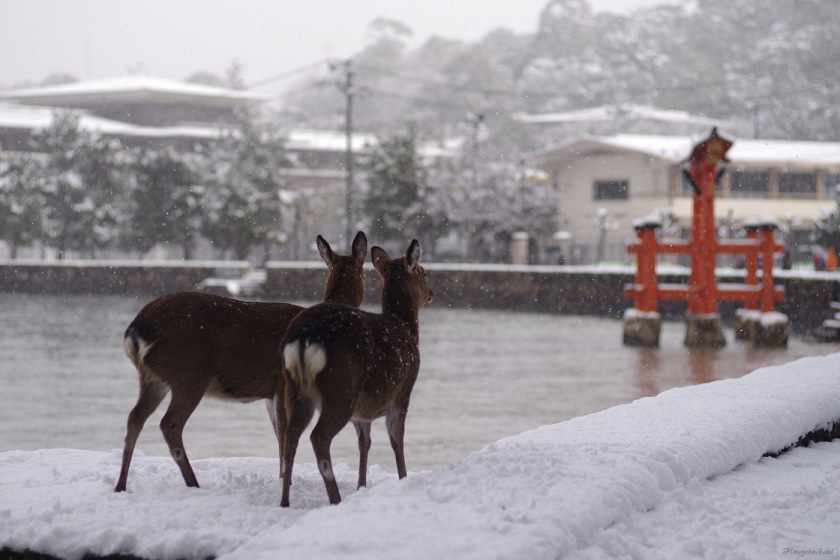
pixel 642 324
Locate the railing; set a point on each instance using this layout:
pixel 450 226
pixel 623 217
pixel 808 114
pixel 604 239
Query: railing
pixel 758 249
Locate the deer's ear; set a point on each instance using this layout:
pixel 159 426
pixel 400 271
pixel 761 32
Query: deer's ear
pixel 324 250
pixel 360 248
pixel 412 255
pixel 379 258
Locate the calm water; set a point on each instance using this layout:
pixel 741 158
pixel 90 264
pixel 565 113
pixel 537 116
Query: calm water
pixel 485 375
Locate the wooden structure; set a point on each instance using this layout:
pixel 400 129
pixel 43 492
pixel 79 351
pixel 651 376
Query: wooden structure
pixel 703 327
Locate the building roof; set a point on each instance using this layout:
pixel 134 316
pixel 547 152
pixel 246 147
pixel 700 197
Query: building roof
pixel 327 140
pixel 25 117
pixel 130 89
pixel 38 118
pixel 675 149
pixel 609 113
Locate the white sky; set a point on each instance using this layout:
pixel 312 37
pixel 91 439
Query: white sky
pixel 93 39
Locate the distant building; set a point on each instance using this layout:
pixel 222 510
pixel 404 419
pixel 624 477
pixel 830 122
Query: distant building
pixel 612 180
pixel 141 100
pixel 621 118
pixel 146 111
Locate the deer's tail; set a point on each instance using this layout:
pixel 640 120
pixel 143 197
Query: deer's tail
pixel 136 347
pixel 304 360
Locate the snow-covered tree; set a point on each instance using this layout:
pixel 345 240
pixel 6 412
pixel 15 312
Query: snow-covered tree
pixel 487 213
pixel 165 202
pixel 242 204
pixel 398 201
pixel 827 229
pixel 82 186
pixel 21 201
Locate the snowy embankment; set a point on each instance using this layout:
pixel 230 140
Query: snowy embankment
pixel 580 488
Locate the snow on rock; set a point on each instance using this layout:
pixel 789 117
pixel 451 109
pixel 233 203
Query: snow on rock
pixel 550 491
pixel 582 486
pixel 783 507
pixel 633 313
pixel 772 318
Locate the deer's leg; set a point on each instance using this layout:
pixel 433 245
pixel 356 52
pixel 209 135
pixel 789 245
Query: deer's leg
pixel 181 406
pixel 299 410
pixel 332 419
pixel 151 395
pixel 272 415
pixel 363 432
pixel 395 423
pixel 277 413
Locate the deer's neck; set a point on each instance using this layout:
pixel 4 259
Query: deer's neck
pixel 335 292
pixel 398 301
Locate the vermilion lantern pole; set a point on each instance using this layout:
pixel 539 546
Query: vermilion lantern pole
pixel 703 171
pixel 703 327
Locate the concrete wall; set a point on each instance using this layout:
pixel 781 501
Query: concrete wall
pixel 562 289
pixel 546 289
pixel 104 277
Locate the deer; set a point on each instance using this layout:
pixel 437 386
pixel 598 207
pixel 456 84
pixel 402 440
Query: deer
pixel 355 366
pixel 196 344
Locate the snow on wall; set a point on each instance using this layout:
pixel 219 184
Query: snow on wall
pixel 542 494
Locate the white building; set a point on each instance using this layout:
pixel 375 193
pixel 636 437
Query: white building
pixel 616 179
pixel 146 111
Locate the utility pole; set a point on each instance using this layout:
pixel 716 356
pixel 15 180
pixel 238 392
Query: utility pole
pixel 348 90
pixel 475 121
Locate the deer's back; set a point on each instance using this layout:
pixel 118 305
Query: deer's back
pixel 376 350
pixel 232 343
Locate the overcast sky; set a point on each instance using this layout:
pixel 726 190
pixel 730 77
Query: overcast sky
pixel 93 39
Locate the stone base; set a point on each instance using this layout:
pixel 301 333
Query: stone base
pixel 642 329
pixel 771 330
pixel 704 331
pixel 745 321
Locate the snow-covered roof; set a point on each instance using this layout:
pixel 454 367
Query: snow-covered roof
pixel 38 118
pixel 612 112
pixel 336 141
pixel 327 140
pixel 133 88
pixel 673 149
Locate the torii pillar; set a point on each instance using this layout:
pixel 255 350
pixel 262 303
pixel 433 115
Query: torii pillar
pixel 703 325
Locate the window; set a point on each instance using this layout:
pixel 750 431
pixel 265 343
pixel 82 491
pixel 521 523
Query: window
pixel 611 190
pixel 686 188
pixel 748 184
pixel 832 186
pixel 797 185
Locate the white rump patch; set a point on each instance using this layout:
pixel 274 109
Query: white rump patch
pixel 314 361
pixel 142 348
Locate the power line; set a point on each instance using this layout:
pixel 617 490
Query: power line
pixel 287 74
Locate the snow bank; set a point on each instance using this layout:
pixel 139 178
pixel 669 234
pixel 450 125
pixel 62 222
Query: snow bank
pixel 543 494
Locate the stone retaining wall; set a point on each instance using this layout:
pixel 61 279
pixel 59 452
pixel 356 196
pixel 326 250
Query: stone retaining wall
pixel 562 289
pixel 548 289
pixel 104 277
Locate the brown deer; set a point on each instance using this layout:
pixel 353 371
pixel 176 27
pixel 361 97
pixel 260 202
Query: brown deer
pixel 355 367
pixel 195 344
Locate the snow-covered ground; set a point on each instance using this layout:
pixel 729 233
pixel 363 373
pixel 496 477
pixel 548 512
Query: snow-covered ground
pixel 678 475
